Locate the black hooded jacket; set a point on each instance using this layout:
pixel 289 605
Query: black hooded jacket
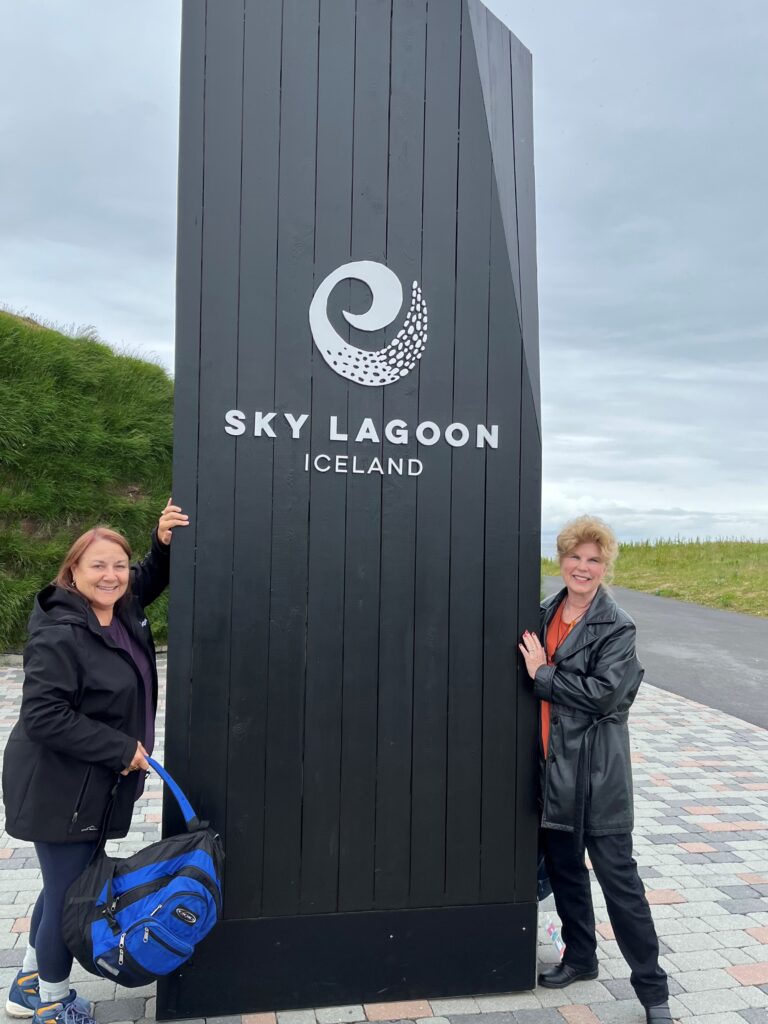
pixel 586 778
pixel 82 713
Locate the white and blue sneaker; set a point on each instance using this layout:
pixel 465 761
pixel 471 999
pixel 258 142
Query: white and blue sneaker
pixel 71 1010
pixel 24 995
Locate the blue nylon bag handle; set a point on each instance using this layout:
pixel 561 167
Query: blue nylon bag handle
pixel 190 818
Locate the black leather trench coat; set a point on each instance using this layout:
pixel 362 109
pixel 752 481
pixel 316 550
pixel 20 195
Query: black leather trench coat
pixel 586 778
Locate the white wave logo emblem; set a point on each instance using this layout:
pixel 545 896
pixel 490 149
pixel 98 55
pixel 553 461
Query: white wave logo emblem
pixel 399 356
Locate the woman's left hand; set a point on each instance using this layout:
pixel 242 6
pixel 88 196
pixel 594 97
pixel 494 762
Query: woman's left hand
pixel 170 518
pixel 534 654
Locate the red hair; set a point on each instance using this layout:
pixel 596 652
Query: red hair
pixel 64 577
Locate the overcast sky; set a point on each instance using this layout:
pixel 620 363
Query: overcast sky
pixel 651 154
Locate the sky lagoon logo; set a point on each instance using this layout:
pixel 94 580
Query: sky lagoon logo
pixel 366 447
pixel 396 359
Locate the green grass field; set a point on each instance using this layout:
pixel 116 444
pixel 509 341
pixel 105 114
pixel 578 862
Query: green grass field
pixel 731 574
pixel 85 438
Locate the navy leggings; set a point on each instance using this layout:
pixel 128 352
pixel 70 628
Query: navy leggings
pixel 60 864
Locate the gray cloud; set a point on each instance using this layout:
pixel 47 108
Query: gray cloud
pixel 652 222
pixel 88 173
pixel 653 233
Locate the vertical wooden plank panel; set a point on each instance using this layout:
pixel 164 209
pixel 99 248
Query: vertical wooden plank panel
pixel 530 435
pixel 253 484
pixel 328 491
pixel 398 515
pixel 468 489
pixel 502 500
pixel 295 259
pixel 432 570
pixel 500 124
pixel 363 512
pixel 355 704
pixel 477 26
pixel 529 569
pixel 522 110
pixel 186 412
pixel 218 376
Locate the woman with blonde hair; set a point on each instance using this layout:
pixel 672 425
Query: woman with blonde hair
pixel 586 674
pixel 86 724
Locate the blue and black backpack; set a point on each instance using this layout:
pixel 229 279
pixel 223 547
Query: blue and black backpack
pixel 135 918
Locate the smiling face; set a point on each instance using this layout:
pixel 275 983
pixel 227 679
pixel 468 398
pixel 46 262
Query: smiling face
pixel 583 570
pixel 101 575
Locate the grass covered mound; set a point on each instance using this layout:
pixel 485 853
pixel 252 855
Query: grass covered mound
pixel 85 439
pixel 727 574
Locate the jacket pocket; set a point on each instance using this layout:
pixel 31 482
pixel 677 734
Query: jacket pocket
pixel 16 787
pixel 79 801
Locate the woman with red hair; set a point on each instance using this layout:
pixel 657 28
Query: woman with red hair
pixel 87 722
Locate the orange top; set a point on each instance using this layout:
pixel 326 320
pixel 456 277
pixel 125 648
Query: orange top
pixel 557 631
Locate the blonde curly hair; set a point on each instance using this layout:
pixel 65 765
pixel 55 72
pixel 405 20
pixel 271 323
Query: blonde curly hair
pixel 589 530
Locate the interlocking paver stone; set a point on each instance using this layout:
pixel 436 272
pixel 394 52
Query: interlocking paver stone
pixel 340 1014
pixel 556 997
pixel 728 1017
pixel 513 1001
pixel 538 1017
pixel 705 981
pixel 500 1017
pixel 701 839
pixel 619 988
pixel 96 990
pixel 578 1015
pixel 754 974
pixel 413 1009
pixel 713 1001
pixel 450 1007
pixel 296 1017
pixel 624 1011
pixel 738 956
pixel 703 960
pixel 119 1009
pixel 753 1016
pixel 754 996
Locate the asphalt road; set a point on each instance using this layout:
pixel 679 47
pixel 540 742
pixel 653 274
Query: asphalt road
pixel 717 658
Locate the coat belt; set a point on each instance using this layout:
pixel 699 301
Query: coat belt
pixel 584 772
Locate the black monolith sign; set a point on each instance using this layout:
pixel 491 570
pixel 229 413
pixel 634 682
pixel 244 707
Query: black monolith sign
pixel 358 445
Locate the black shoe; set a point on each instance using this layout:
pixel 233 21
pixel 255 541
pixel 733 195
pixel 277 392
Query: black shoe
pixel 561 975
pixel 660 1014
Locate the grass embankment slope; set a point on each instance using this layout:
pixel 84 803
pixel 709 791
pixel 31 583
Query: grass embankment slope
pixel 726 574
pixel 85 439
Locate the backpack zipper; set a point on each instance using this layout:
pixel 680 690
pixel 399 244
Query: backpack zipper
pixel 166 945
pixel 125 899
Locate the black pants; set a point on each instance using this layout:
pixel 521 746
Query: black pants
pixel 628 910
pixel 60 865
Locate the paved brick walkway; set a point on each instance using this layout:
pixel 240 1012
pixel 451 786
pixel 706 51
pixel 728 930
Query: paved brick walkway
pixel 701 840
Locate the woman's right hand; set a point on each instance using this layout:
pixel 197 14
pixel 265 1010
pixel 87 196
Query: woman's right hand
pixel 139 761
pixel 534 654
